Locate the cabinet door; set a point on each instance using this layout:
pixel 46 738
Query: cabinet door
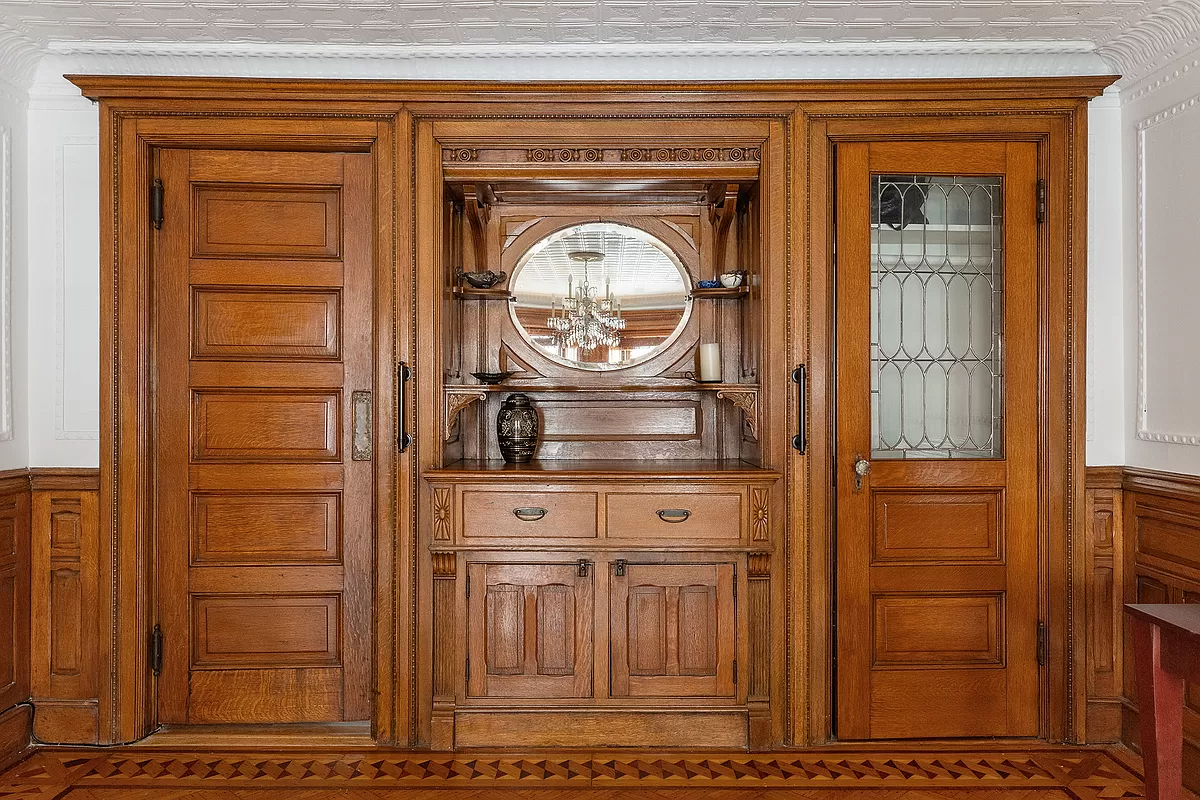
pixel 673 631
pixel 530 630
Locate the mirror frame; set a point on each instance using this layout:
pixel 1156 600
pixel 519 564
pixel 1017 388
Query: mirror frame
pixel 602 368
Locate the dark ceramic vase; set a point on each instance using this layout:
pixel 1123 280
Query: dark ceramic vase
pixel 517 429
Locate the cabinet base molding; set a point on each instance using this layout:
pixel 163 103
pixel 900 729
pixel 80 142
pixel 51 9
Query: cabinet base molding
pixel 14 734
pixel 591 728
pixel 69 721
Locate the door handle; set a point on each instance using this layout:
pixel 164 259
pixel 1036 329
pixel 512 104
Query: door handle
pixel 360 426
pixel 800 378
pixel 403 438
pixel 861 468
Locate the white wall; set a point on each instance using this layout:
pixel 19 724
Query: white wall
pixel 1161 164
pixel 64 283
pixel 14 433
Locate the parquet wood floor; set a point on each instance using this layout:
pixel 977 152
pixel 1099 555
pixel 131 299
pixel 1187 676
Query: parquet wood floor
pixel 1040 773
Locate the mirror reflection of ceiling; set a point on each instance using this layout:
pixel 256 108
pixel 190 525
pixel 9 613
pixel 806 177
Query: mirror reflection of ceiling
pixel 642 272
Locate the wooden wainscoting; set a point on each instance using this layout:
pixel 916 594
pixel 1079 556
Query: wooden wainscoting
pixel 1143 546
pixel 65 658
pixel 14 614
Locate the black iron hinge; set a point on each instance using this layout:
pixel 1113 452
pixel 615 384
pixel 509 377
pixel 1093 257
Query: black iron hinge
pixel 1041 200
pixel 468 587
pixel 156 203
pixel 735 670
pixel 1041 643
pixel 156 649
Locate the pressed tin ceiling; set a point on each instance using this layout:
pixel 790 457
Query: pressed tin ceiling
pixel 1130 34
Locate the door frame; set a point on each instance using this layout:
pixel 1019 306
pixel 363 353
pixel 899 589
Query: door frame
pixel 128 611
pixel 1061 138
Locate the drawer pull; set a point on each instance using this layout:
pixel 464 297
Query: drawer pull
pixel 673 514
pixel 529 514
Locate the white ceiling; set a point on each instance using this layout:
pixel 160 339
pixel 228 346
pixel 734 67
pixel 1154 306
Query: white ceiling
pixel 1123 30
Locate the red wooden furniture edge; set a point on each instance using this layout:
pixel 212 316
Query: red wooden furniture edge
pixel 1166 651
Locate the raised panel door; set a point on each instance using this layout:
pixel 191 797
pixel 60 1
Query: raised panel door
pixel 530 630
pixel 264 331
pixel 937 441
pixel 673 629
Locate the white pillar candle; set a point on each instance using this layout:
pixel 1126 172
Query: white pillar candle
pixel 710 363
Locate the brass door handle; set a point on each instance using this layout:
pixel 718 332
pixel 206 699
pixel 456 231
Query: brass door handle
pixel 529 514
pixel 673 514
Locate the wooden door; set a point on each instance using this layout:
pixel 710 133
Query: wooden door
pixel 673 630
pixel 530 629
pixel 264 335
pixel 937 440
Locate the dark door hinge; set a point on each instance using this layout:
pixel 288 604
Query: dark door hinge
pixel 583 564
pixel 156 649
pixel 468 587
pixel 735 671
pixel 156 203
pixel 1041 200
pixel 1041 643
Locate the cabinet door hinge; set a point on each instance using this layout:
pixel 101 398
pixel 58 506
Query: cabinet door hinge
pixel 156 649
pixel 156 203
pixel 1041 200
pixel 468 587
pixel 1041 643
pixel 468 669
pixel 735 670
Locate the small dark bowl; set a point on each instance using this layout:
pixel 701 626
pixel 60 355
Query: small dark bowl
pixel 708 284
pixel 483 280
pixel 492 378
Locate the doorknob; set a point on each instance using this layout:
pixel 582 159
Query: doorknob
pixel 861 468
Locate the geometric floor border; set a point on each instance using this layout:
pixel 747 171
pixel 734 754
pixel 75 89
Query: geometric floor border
pixel 1079 773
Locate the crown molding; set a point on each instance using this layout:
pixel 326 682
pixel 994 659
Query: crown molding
pixel 1153 43
pixel 669 62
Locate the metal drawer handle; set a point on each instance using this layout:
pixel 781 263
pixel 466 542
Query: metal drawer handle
pixel 673 514
pixel 529 514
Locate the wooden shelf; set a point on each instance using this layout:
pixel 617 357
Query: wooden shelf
pixel 471 293
pixel 589 469
pixel 721 293
pixel 744 396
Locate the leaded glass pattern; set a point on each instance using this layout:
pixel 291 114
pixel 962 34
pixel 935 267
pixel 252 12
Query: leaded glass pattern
pixel 937 312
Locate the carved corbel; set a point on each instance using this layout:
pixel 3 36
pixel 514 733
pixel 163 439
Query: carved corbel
pixel 478 211
pixel 746 399
pixel 722 208
pixel 456 399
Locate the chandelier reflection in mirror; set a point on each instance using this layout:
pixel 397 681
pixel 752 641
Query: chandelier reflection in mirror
pixel 600 296
pixel 587 321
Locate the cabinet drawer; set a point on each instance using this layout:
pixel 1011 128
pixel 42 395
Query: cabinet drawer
pixel 496 514
pixel 666 515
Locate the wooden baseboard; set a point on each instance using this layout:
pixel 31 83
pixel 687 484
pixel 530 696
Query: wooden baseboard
pixel 67 721
pixel 336 736
pixel 15 725
pixel 593 729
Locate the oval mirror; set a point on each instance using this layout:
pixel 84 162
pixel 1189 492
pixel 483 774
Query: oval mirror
pixel 600 296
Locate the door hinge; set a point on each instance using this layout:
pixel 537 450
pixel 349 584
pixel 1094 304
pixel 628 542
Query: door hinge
pixel 468 669
pixel 468 587
pixel 735 583
pixel 1041 200
pixel 735 670
pixel 582 565
pixel 156 203
pixel 1041 643
pixel 156 649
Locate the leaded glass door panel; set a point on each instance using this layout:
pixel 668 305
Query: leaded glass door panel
pixel 937 439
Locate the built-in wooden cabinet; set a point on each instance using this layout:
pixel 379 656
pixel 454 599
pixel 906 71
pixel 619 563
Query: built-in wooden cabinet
pixel 303 511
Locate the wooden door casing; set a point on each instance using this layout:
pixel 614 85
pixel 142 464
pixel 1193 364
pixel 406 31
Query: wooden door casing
pixel 530 630
pixel 673 630
pixel 264 329
pixel 937 558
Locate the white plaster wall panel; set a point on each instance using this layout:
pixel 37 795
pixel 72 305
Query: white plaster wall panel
pixel 1106 412
pixel 14 440
pixel 1161 381
pixel 64 294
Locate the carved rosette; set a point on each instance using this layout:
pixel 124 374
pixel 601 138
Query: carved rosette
pixel 444 564
pixel 441 514
pixel 686 154
pixel 747 401
pixel 760 505
pixel 459 154
pixel 565 155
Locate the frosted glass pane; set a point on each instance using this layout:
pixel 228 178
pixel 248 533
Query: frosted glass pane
pixel 937 312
